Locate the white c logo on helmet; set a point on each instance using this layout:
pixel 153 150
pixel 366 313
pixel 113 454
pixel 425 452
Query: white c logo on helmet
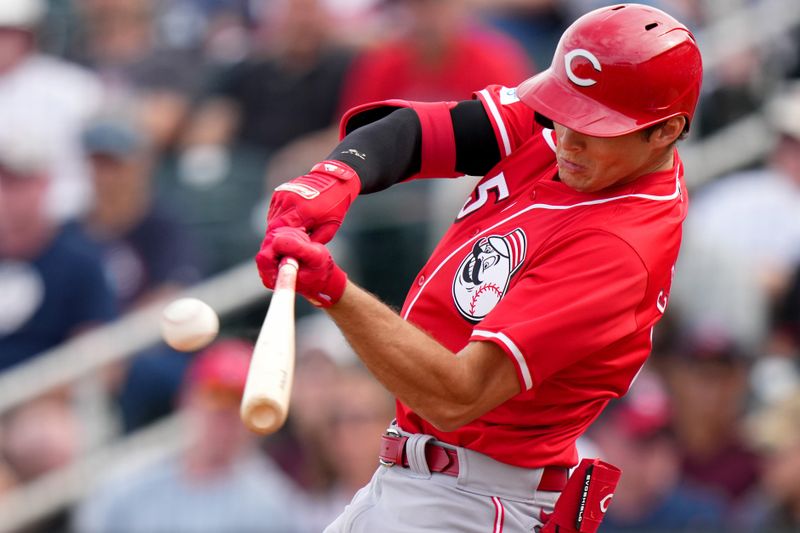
pixel 580 52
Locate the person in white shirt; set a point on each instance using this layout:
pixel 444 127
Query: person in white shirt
pixel 45 96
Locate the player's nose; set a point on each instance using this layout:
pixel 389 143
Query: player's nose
pixel 569 140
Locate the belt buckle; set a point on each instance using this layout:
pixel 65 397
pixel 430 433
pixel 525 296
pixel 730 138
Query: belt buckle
pixel 391 432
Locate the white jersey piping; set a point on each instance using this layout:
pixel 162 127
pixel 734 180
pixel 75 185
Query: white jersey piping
pixel 514 349
pixel 656 198
pixel 498 120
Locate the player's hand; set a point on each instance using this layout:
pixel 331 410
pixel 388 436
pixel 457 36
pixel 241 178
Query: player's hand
pixel 316 202
pixel 319 279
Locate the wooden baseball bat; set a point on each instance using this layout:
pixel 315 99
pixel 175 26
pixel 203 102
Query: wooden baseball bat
pixel 265 403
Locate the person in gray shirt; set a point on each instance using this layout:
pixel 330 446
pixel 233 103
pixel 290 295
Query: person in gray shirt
pixel 219 483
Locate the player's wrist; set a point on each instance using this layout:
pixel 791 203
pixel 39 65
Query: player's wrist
pixel 317 201
pixel 337 169
pixel 337 174
pixel 321 179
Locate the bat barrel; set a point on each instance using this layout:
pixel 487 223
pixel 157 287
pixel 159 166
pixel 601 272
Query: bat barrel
pixel 265 403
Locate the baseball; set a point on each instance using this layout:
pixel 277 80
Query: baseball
pixel 188 324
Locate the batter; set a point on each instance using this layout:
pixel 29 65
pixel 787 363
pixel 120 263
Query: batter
pixel 537 306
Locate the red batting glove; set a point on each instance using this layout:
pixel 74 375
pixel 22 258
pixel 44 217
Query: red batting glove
pixel 319 279
pixel 316 202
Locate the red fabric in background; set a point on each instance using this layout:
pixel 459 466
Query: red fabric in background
pixel 476 58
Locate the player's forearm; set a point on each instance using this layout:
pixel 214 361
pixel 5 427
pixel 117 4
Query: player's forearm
pixel 385 152
pixel 423 374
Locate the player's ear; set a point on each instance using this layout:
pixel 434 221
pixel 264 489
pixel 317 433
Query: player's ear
pixel 667 132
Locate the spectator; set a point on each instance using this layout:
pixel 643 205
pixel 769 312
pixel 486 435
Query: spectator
pixel 359 408
pixel 776 432
pixel 52 99
pixel 707 379
pixel 51 275
pixel 121 43
pixel 442 53
pixel 744 231
pixel 767 222
pixel 41 436
pixel 652 495
pixel 148 255
pixel 288 87
pixel 220 483
pixel 322 354
pixel 736 93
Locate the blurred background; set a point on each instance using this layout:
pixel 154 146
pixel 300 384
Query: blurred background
pixel 139 144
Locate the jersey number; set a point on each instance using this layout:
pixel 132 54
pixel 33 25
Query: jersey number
pixel 481 195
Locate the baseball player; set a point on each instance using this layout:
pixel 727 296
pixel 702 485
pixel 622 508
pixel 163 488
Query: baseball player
pixel 537 306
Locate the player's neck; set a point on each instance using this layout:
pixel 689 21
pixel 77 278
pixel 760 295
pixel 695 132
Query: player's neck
pixel 665 162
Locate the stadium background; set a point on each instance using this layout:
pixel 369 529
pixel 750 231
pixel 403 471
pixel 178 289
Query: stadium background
pixel 139 142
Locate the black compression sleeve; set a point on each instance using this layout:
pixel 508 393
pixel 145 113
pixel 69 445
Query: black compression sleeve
pixel 389 150
pixel 384 152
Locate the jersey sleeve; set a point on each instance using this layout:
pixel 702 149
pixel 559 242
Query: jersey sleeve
pixel 578 296
pixel 512 120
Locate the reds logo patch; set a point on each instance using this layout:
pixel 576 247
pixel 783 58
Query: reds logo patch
pixel 483 276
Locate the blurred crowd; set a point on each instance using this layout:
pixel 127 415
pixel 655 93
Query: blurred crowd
pixel 139 144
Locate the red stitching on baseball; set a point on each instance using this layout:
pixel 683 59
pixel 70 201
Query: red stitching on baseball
pixel 483 288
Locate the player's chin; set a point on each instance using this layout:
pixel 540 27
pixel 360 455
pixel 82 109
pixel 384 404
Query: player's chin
pixel 578 181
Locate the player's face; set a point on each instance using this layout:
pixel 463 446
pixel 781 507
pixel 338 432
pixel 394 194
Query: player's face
pixel 591 164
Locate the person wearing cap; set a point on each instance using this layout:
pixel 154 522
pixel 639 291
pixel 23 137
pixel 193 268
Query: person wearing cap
pixel 637 435
pixel 148 252
pixel 537 306
pixel 52 99
pixel 219 482
pixel 653 494
pixel 707 373
pixel 51 277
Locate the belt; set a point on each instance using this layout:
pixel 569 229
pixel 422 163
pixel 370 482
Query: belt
pixel 445 461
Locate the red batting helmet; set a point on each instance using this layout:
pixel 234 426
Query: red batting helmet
pixel 616 70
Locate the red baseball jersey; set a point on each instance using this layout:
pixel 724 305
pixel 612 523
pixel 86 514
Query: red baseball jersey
pixel 568 284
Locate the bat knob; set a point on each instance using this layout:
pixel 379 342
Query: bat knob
pixel 263 417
